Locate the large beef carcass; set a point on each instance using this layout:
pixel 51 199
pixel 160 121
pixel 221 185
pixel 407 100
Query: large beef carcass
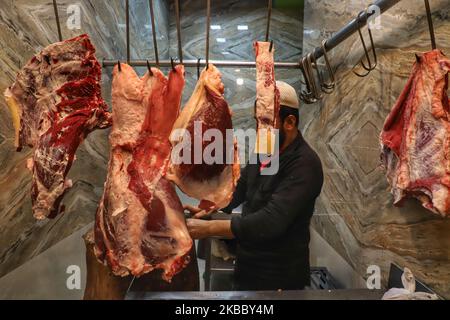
pixel 55 103
pixel 140 223
pixel 267 105
pixel 416 136
pixel 204 160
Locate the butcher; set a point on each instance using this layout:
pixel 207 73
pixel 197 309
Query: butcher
pixel 272 232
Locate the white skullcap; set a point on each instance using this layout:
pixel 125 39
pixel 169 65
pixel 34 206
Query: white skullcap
pixel 288 96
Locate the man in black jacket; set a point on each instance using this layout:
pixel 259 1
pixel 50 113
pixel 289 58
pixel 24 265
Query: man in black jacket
pixel 273 230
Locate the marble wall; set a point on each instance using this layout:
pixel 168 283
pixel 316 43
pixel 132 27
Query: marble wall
pixel 355 212
pixel 25 28
pixel 28 26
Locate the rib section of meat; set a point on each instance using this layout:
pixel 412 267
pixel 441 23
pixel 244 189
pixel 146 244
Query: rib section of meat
pixel 140 224
pixel 55 103
pixel 204 162
pixel 416 136
pixel 267 103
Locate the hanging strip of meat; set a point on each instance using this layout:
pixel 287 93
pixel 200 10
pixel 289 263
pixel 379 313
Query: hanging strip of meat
pixel 205 162
pixel 267 105
pixel 140 224
pixel 55 103
pixel 416 137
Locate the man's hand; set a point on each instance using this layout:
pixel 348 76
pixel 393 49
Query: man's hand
pixel 196 213
pixel 199 229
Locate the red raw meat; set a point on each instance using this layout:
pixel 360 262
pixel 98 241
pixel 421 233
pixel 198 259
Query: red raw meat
pixel 212 182
pixel 55 103
pixel 140 224
pixel 267 104
pixel 416 136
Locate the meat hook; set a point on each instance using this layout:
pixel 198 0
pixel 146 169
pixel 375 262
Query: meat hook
pixel 316 93
pixel 119 66
pixel 326 87
pixel 58 23
pixel 271 46
pixel 370 66
pixel 172 64
pixel 332 84
pixel 306 95
pixel 155 43
pixel 149 68
pixel 198 68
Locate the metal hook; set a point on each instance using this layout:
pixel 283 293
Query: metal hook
pixel 58 23
pixel 172 64
pixel 370 66
pixel 198 68
pixel 178 22
pixel 430 25
pixel 326 87
pixel 307 95
pixel 271 46
pixel 127 22
pixel 316 93
pixel 331 75
pixel 155 43
pixel 119 66
pixel 149 68
pixel 269 15
pixel 208 23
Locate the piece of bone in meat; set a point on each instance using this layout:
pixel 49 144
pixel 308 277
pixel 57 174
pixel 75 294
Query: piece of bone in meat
pixel 140 224
pixel 415 140
pixel 212 168
pixel 55 102
pixel 267 103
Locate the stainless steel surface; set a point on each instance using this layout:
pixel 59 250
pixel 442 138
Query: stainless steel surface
pixel 354 294
pixel 58 23
pixel 218 63
pixel 155 42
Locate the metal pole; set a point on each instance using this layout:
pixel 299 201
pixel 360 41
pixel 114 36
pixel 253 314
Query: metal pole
pixel 202 63
pixel 331 43
pixel 127 16
pixel 177 11
pixel 430 25
pixel 352 27
pixel 58 24
pixel 155 43
pixel 208 24
pixel 269 15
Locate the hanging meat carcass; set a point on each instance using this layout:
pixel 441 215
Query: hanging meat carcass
pixel 140 223
pixel 55 103
pixel 416 136
pixel 267 105
pixel 205 162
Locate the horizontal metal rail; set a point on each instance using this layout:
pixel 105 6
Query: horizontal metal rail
pixel 334 41
pixel 194 63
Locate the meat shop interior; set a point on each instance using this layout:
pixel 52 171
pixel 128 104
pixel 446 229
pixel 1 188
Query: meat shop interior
pixel 235 149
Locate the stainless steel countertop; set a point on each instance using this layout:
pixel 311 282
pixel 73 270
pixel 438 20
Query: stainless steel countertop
pixel 351 294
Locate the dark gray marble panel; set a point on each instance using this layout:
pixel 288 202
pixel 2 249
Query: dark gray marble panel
pixel 355 212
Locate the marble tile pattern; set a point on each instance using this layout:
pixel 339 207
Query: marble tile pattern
pixel 25 28
pixel 28 26
pixel 355 212
pixel 285 30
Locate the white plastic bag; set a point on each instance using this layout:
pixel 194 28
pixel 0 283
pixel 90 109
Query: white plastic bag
pixel 409 290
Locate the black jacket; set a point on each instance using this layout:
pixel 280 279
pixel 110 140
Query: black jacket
pixel 273 230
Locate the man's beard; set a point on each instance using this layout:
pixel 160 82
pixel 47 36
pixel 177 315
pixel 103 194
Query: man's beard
pixel 282 137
